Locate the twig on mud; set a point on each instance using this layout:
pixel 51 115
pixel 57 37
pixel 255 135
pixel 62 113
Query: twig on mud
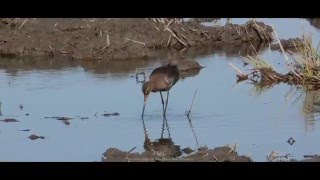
pixel 104 48
pixel 161 20
pixel 169 40
pixel 109 52
pixel 132 149
pixel 100 33
pixel 23 23
pixel 215 158
pixel 108 41
pixel 156 28
pixel 205 34
pixel 188 113
pixel 168 25
pixel 274 155
pixel 185 38
pixel 233 148
pixel 182 29
pixel 129 153
pixel 138 42
pixel 50 48
pixel 194 30
pixel 175 36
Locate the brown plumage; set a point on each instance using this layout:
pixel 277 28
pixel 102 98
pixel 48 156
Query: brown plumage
pixel 161 79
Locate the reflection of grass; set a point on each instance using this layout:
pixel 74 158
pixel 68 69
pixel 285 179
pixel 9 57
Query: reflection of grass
pixel 259 88
pixel 312 101
pixel 304 73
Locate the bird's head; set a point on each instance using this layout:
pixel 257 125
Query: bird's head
pixel 146 89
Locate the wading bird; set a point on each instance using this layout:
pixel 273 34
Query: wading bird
pixel 161 79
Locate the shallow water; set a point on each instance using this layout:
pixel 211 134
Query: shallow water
pixel 258 121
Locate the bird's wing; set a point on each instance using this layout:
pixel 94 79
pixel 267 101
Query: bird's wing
pixel 167 79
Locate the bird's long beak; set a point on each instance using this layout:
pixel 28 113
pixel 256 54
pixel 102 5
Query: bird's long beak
pixel 144 104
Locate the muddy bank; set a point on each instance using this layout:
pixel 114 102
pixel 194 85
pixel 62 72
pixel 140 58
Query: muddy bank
pixel 219 154
pixel 315 22
pixel 105 39
pixel 287 44
pixel 315 158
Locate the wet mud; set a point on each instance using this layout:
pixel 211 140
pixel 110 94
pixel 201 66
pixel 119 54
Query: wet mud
pixel 112 38
pixel 219 154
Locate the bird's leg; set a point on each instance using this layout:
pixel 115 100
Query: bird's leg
pixel 162 101
pixel 165 109
pixel 162 130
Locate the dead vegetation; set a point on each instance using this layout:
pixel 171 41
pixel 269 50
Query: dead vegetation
pixel 303 67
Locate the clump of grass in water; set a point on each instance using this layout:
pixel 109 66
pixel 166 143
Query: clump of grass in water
pixel 304 70
pixel 308 59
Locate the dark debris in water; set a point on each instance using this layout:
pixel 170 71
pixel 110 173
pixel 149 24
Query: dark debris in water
pixel 35 137
pixel 9 120
pixel 21 107
pixel 61 118
pixel 64 118
pixel 111 114
pixel 66 122
pixel 82 117
pixel 24 130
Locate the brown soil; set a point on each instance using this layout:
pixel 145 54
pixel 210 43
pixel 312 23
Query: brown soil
pixel 287 44
pixel 113 38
